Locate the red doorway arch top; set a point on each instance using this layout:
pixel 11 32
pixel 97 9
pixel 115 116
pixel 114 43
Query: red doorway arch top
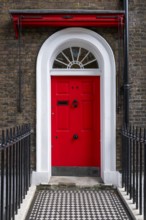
pixel 65 18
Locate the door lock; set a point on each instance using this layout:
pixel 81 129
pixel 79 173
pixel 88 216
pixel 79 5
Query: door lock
pixel 75 137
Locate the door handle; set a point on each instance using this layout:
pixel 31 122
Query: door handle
pixel 75 103
pixel 75 136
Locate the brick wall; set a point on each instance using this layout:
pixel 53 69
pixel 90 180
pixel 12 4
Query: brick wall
pixel 32 39
pixel 137 63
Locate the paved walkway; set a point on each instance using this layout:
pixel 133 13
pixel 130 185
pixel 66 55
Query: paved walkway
pixel 75 203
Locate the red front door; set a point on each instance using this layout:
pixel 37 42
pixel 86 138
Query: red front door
pixel 76 121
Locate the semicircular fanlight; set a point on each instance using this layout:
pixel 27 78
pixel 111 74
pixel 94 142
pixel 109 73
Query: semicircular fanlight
pixel 75 58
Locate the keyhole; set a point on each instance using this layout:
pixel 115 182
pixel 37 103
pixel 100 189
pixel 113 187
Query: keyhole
pixel 75 103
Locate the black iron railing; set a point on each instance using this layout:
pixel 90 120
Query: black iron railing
pixel 134 166
pixel 14 169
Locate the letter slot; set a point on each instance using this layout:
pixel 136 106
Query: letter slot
pixel 62 102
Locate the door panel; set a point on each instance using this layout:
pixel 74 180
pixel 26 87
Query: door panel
pixel 75 121
pixel 62 118
pixel 87 115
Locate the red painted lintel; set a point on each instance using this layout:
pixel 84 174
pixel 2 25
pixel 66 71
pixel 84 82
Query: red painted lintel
pixel 66 20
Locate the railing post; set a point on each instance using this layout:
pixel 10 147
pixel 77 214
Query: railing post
pixel 10 175
pixel 22 162
pixel 13 173
pixel 19 166
pixel 140 174
pixel 123 159
pixel 7 176
pixel 27 163
pixel 137 162
pixel 134 144
pixel 130 163
pixel 144 198
pixel 2 175
pixel 29 140
pixel 127 160
pixel 17 171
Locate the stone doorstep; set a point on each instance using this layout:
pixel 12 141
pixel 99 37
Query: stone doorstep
pixel 72 186
pixel 129 204
pixel 75 181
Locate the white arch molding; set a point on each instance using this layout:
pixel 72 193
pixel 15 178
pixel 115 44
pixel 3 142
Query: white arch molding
pixel 100 48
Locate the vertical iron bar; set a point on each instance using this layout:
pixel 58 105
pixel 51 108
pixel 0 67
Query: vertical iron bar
pixel 126 158
pixel 7 175
pixel 144 197
pixel 25 149
pixel 137 162
pixel 17 170
pixel 19 153
pixel 19 141
pixel 22 157
pixel 124 149
pixel 22 180
pixel 130 163
pixel 21 163
pixel 27 165
pixel 10 177
pixel 25 161
pixel 29 155
pixel 127 163
pixel 140 175
pixel 13 167
pixel 2 175
pixel 123 159
pixel 134 160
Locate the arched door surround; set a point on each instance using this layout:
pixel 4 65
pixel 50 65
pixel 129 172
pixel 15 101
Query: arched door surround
pixel 91 41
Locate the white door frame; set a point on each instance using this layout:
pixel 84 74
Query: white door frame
pixel 100 48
